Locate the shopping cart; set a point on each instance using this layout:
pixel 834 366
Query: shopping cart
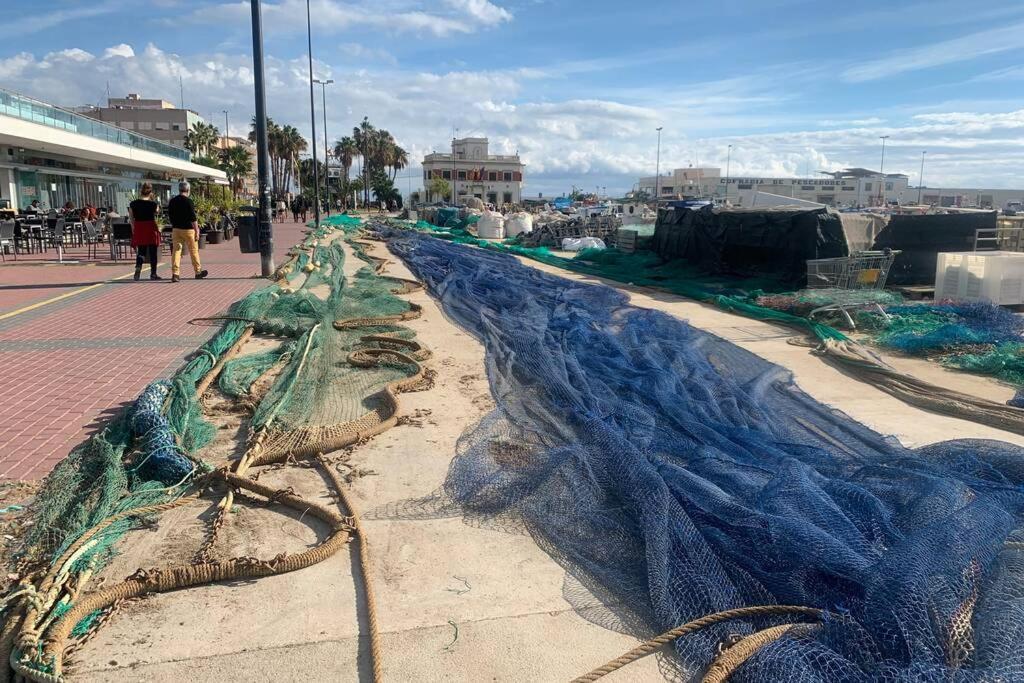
pixel 863 270
pixel 860 270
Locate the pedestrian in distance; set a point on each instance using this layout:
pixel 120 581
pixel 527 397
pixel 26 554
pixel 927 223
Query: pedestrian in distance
pixel 181 212
pixel 295 209
pixel 145 231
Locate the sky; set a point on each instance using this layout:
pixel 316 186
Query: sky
pixel 578 88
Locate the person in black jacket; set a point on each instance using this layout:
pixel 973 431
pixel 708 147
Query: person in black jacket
pixel 181 212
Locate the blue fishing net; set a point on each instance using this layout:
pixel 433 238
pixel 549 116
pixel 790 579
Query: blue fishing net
pixel 685 476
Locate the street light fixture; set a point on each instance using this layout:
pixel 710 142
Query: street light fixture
pixel 327 156
pixel 920 178
pixel 657 171
pixel 728 163
pixel 225 130
pixel 312 120
pixel 881 170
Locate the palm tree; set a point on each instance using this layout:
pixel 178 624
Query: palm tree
pixel 364 136
pixel 346 151
pixel 399 160
pixel 201 138
pixel 237 163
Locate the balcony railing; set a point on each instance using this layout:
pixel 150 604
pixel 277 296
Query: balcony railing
pixel 29 109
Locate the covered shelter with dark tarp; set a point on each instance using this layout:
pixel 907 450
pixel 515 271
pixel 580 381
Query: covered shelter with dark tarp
pixel 774 243
pixel 921 238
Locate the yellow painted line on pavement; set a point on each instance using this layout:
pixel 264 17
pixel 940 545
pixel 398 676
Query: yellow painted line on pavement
pixel 65 295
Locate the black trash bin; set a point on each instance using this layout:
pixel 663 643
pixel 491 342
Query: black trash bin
pixel 248 232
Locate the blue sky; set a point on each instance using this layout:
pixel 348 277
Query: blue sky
pixel 577 88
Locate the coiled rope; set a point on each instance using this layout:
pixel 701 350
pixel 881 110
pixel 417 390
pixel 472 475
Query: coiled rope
pixel 654 644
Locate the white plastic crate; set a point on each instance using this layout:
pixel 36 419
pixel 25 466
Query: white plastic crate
pixel 994 276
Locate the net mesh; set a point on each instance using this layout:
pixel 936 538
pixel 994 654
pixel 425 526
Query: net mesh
pixel 687 476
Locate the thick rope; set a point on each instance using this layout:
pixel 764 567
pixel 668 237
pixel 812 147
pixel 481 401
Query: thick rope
pixel 654 644
pixel 184 576
pixel 364 568
pixel 731 659
pixel 225 357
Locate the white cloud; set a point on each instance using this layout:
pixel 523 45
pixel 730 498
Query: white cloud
pixel 964 48
pixel 334 16
pixel 605 140
pixel 482 11
pixel 122 50
pixel 45 20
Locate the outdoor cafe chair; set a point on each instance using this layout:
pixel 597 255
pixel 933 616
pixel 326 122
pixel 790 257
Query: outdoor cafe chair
pixel 120 240
pixel 7 240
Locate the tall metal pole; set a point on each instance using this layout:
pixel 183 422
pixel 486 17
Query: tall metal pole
pixel 657 171
pixel 881 171
pixel 728 163
pixel 312 121
pixel 225 130
pixel 327 155
pixel 920 178
pixel 262 149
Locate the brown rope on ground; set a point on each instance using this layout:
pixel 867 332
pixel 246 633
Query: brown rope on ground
pixel 654 644
pixel 364 568
pixel 183 576
pixel 731 659
pixel 225 357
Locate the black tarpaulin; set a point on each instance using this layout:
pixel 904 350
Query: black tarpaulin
pixel 921 238
pixel 774 243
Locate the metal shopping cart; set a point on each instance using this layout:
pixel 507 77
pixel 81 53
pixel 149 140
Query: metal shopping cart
pixel 862 270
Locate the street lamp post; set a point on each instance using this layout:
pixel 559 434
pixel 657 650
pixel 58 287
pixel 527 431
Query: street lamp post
pixel 327 156
pixel 262 149
pixel 657 171
pixel 728 163
pixel 225 130
pixel 881 170
pixel 920 178
pixel 312 121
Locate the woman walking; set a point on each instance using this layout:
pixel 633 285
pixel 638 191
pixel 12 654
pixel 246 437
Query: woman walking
pixel 145 231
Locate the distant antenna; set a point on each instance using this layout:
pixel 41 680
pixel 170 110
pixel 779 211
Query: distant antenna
pixel 181 90
pixel 108 93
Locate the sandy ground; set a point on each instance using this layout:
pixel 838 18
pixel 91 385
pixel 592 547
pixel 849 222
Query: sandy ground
pixel 455 602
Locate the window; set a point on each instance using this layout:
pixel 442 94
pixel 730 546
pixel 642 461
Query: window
pixel 130 125
pixel 517 176
pixel 667 190
pixel 631 207
pixel 492 176
pixel 849 188
pixel 507 177
pixel 426 174
pixel 807 187
pixel 145 125
pixel 161 125
pixel 492 197
pixel 508 197
pixel 461 175
pixel 888 186
pixel 867 187
pixel 447 175
pixel 175 126
pixel 745 186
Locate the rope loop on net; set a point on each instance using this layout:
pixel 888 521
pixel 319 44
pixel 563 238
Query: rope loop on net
pixel 654 644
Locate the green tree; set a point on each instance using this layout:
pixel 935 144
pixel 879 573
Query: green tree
pixel 237 163
pixel 439 187
pixel 201 138
pixel 346 151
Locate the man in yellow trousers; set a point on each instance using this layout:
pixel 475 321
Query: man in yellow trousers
pixel 184 232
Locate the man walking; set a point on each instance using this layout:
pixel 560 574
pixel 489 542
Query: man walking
pixel 185 232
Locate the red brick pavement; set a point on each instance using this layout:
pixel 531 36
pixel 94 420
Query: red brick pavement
pixel 67 365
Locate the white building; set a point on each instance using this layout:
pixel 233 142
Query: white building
pixel 472 172
pixel 56 156
pixel 850 187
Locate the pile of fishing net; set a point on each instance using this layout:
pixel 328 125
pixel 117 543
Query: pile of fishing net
pixel 681 476
pixel 978 337
pixel 339 356
pixel 803 302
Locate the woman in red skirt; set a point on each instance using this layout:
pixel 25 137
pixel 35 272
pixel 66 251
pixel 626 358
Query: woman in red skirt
pixel 145 231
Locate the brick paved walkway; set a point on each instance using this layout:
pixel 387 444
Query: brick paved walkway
pixel 67 364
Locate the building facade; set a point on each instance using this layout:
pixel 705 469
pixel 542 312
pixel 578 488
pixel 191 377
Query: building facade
pixel 847 188
pixel 472 172
pixel 157 119
pixel 55 155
